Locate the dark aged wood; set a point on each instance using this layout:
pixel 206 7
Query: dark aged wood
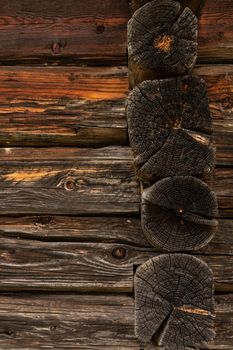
pixel 178 213
pixel 99 229
pixel 169 126
pixel 74 30
pixel 87 106
pixel 79 321
pixel 162 41
pixel 71 266
pixel 174 302
pixel 74 181
pixel 195 5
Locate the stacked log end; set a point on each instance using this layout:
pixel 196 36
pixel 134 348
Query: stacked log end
pixel 174 301
pixel 170 133
pixel 170 128
pixel 195 5
pixel 162 41
pixel 178 213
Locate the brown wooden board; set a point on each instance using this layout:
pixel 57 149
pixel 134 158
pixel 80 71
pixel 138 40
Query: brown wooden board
pixel 81 182
pixel 86 106
pixel 94 31
pixel 78 321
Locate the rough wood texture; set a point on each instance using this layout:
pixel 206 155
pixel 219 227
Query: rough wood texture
pixel 195 5
pixel 72 181
pixel 174 303
pixel 87 106
pixel 99 229
pixel 78 321
pixel 74 30
pixel 169 125
pixel 162 41
pixel 178 213
pixel 64 266
pixel 68 181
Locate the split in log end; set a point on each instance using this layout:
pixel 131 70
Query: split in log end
pixel 178 213
pixel 162 41
pixel 174 305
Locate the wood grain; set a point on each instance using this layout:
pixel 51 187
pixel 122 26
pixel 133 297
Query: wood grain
pixel 69 266
pixel 100 230
pixel 54 30
pixel 215 32
pixel 94 31
pixel 77 181
pixel 87 106
pixel 78 321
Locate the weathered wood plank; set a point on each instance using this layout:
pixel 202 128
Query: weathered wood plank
pixel 78 321
pixel 34 265
pixel 81 182
pixel 94 31
pixel 87 106
pixel 76 30
pixel 99 230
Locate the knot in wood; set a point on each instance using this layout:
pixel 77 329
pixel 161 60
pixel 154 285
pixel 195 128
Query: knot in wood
pixel 56 48
pixel 119 253
pixel 163 43
pixel 69 185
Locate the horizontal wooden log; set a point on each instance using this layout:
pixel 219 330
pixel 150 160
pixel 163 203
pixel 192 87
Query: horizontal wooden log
pixel 81 182
pixel 85 108
pixel 54 30
pixel 33 265
pixel 85 322
pixel 94 31
pixel 100 230
pixel 88 106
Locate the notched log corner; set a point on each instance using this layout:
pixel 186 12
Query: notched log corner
pixel 174 305
pixel 178 213
pixel 162 41
pixel 170 127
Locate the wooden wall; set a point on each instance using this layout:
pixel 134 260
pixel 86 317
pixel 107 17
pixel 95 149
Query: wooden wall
pixel 70 236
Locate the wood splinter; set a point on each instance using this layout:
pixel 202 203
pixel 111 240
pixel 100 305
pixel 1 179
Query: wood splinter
pixel 170 126
pixel 174 305
pixel 162 41
pixel 178 213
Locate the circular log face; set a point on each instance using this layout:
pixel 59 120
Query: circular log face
pixel 162 37
pixel 169 126
pixel 178 213
pixel 174 301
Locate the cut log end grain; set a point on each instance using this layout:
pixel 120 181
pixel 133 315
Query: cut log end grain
pixel 195 5
pixel 162 41
pixel 178 213
pixel 170 126
pixel 174 305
